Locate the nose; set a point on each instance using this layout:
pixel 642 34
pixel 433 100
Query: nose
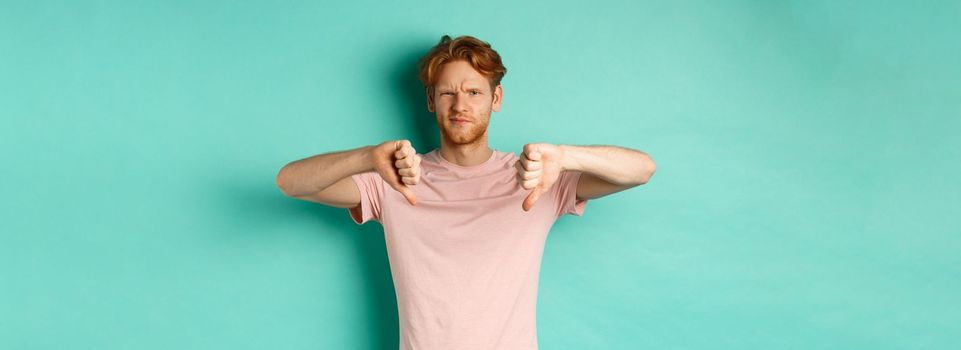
pixel 460 103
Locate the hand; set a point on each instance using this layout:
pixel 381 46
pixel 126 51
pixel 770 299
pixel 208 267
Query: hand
pixel 399 165
pixel 538 168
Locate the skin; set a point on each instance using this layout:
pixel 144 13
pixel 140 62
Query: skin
pixel 462 93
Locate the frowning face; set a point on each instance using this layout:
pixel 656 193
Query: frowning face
pixel 463 101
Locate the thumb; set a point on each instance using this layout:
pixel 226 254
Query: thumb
pixel 531 198
pixel 408 194
pixel 405 191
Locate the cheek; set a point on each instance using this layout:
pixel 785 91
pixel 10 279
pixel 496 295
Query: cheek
pixel 485 105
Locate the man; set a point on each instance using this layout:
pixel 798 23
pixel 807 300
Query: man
pixel 465 224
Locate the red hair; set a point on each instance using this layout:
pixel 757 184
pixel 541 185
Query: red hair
pixel 476 52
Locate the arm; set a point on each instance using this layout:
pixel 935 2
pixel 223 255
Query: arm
pixel 325 178
pixel 606 169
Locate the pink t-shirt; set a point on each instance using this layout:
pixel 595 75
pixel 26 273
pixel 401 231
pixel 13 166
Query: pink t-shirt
pixel 465 260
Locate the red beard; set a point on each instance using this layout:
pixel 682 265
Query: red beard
pixel 464 134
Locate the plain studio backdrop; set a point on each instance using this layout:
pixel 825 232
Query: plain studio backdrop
pixel 806 195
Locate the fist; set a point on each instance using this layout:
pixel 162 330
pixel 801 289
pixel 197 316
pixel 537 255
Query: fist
pixel 399 165
pixel 538 168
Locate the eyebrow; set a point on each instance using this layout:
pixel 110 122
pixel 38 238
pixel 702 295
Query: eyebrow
pixel 444 89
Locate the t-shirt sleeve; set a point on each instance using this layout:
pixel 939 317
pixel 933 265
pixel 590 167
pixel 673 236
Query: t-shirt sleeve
pixel 371 187
pixel 566 195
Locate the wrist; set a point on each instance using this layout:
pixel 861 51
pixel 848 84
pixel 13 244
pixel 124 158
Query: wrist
pixel 367 156
pixel 569 157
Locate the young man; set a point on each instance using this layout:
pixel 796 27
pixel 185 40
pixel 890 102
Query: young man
pixel 465 224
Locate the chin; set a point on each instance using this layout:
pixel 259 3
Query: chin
pixel 463 136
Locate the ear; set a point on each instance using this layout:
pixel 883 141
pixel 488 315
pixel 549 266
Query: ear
pixel 498 96
pixel 430 100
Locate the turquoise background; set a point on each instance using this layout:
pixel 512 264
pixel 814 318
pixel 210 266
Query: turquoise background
pixel 806 195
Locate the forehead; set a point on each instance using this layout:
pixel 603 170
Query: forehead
pixel 458 73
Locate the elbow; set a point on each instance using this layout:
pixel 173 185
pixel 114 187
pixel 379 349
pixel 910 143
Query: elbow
pixel 647 177
pixel 648 172
pixel 281 181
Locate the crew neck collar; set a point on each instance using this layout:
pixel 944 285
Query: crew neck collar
pixel 447 163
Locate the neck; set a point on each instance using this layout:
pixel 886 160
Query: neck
pixel 470 154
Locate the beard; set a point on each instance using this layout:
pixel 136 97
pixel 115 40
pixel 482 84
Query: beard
pixel 464 134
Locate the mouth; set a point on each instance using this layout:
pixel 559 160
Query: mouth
pixel 459 121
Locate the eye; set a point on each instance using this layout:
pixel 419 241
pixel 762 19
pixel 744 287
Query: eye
pixel 475 92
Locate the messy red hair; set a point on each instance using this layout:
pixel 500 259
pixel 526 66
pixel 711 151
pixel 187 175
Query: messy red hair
pixel 476 52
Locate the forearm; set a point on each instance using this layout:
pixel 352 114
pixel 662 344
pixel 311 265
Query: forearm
pixel 313 174
pixel 617 165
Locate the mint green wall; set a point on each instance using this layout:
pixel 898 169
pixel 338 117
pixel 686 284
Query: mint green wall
pixel 806 194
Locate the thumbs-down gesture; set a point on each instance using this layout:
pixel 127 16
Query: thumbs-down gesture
pixel 399 165
pixel 537 169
